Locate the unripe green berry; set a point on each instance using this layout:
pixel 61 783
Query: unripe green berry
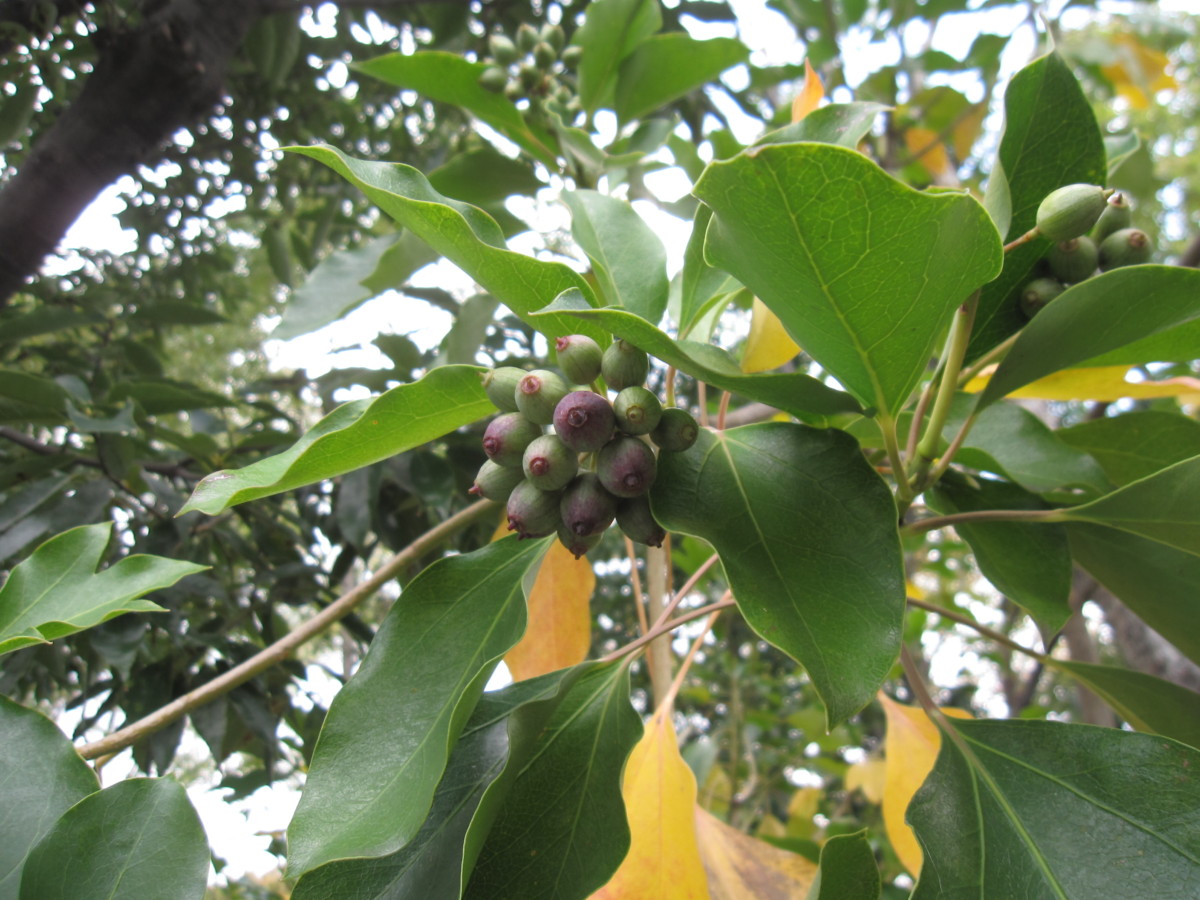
pixel 501 386
pixel 586 506
pixel 637 522
pixel 572 55
pixel 548 463
pixel 503 50
pixel 626 467
pixel 676 430
pixel 579 358
pixel 1127 247
pixel 637 410
pixel 493 79
pixel 554 36
pixel 527 37
pixel 1070 211
pixel 1074 260
pixel 496 482
pixel 584 421
pixel 532 512
pixel 578 544
pixel 1118 214
pixel 514 91
pixel 537 393
pixel 506 438
pixel 544 56
pixel 529 74
pixel 1038 293
pixel 624 365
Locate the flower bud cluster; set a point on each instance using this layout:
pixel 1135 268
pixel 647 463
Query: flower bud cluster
pixel 597 462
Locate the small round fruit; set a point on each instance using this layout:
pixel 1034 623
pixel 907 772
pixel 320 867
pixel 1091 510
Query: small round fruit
pixel 1038 293
pixel 584 421
pixel 1118 214
pixel 676 430
pixel 496 482
pixel 638 523
pixel 626 467
pixel 554 36
pixel 493 79
pixel 1070 211
pixel 527 37
pixel 586 507
pixel 544 56
pixel 1127 247
pixel 579 358
pixel 1074 260
pixel 637 410
pixel 503 50
pixel 548 463
pixel 624 365
pixel 578 544
pixel 501 386
pixel 506 438
pixel 538 393
pixel 532 512
pixel 572 55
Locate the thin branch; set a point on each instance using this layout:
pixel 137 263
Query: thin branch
pixel 683 591
pixel 722 409
pixel 636 580
pixel 32 444
pixel 667 627
pixel 960 618
pixel 981 515
pixel 285 646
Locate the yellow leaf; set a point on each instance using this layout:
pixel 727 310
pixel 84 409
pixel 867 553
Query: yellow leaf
pixel 770 826
pixel 914 590
pixel 927 150
pixel 717 791
pixel 869 777
pixel 740 867
pixel 660 794
pixel 967 130
pixel 912 746
pixel 1103 383
pixel 804 805
pixel 768 344
pixel 560 623
pixel 811 94
pixel 1139 71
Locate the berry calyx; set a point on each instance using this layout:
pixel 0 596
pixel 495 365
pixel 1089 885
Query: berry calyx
pixel 548 463
pixel 637 410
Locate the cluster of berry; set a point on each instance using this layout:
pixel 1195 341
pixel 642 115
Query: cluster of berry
pixel 596 465
pixel 536 66
pixel 1091 231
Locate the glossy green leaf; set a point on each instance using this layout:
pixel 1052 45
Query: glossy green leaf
pixel 1136 444
pixel 354 435
pixel 844 124
pixel 665 67
pixel 1164 506
pixel 847 870
pixel 385 742
pixel 162 396
pixel 57 590
pixel 1050 139
pixel 801 395
pixel 1029 562
pixel 431 864
pixel 1095 316
pixel 462 233
pixel 138 838
pixel 452 78
pixel 845 255
pixel 41 778
pixel 30 400
pixel 1036 809
pixel 1145 702
pixel 627 257
pixel 611 30
pixel 806 531
pixel 699 282
pixel 1156 581
pixel 556 827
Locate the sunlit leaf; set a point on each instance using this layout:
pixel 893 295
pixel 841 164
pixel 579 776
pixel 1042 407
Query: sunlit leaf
pixel 560 625
pixel 1103 383
pixel 869 777
pixel 1139 72
pixel 611 30
pixel 926 149
pixel 665 67
pixel 740 867
pixel 812 92
pixel 768 345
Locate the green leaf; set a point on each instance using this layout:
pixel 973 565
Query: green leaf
pixel 57 590
pixel 1145 702
pixel 1134 445
pixel 465 235
pixel 1164 506
pixel 559 831
pixel 844 124
pixel 161 396
pixel 1156 581
pixel 611 30
pixel 354 435
pixel 31 400
pixel 665 67
pixel 387 737
pixel 626 255
pixel 1050 139
pixel 451 78
pixel 1037 810
pixel 806 531
pixel 41 778
pixel 138 838
pixel 462 342
pixel 1095 316
pixel 847 870
pixel 801 395
pixel 1029 562
pixel 845 255
pixel 699 282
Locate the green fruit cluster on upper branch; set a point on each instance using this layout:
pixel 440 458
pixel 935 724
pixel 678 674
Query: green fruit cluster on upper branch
pixel 536 66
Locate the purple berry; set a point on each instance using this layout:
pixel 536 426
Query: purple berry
pixel 584 421
pixel 506 438
pixel 586 507
pixel 626 467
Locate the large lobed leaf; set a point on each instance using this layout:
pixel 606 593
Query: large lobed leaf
pixel 57 590
pixel 864 271
pixel 806 531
